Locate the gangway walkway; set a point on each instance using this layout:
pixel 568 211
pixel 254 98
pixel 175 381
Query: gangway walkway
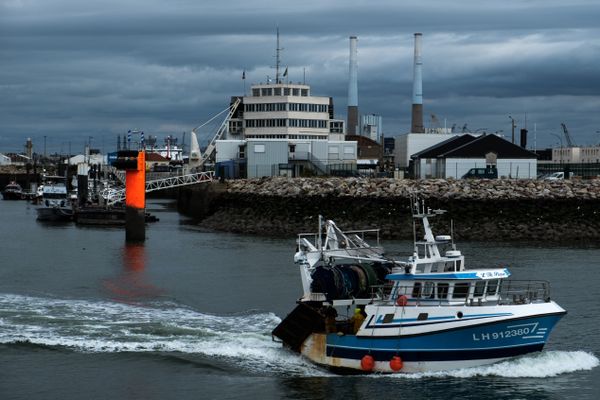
pixel 112 196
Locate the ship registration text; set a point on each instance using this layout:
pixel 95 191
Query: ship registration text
pixel 511 332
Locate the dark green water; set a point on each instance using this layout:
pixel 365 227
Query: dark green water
pixel 189 314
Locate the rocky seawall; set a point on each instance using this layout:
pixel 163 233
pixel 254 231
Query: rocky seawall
pixel 507 210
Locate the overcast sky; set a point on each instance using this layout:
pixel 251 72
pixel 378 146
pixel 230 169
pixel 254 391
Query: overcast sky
pixel 72 69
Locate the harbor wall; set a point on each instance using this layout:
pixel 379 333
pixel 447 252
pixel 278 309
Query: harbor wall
pixel 505 210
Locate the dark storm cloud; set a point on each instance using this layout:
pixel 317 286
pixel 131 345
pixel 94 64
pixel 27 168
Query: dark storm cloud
pixel 71 70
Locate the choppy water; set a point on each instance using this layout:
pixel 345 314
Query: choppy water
pixel 189 315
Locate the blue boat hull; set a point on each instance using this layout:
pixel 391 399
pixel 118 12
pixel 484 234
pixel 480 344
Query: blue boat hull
pixel 448 349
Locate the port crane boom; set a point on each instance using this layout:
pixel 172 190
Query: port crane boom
pixel 198 160
pixel 570 142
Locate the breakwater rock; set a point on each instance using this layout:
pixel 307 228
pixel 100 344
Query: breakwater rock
pixel 528 210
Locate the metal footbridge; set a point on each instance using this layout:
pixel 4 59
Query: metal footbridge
pixel 112 196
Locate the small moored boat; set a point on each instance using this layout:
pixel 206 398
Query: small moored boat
pixel 427 313
pixel 55 205
pixel 12 191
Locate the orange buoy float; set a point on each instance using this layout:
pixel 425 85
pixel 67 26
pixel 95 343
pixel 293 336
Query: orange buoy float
pixel 367 363
pixel 396 363
pixel 402 300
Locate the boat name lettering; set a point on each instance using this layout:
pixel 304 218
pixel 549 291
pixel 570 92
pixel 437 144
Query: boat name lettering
pixel 492 274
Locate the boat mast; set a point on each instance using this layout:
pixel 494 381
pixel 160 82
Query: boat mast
pixel 320 244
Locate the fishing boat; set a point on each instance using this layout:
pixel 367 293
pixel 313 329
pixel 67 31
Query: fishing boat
pixel 426 313
pixel 12 191
pixel 55 205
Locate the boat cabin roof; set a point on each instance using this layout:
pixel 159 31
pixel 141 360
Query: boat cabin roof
pixel 473 274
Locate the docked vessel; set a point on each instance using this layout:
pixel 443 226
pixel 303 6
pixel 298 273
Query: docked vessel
pixel 105 216
pixel 427 313
pixel 12 191
pixel 55 205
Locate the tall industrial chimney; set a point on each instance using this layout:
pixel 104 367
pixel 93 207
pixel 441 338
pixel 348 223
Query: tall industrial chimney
pixel 353 89
pixel 417 104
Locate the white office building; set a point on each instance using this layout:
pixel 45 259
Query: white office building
pixel 282 129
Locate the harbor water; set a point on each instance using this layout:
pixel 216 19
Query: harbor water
pixel 188 315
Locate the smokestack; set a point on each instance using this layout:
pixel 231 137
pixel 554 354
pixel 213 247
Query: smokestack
pixel 353 88
pixel 417 104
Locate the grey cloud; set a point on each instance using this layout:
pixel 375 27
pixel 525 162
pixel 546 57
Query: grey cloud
pixel 71 70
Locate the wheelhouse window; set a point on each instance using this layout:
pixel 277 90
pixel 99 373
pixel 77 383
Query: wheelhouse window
pixel 479 289
pixel 461 290
pixel 425 290
pixel 442 290
pixel 428 288
pixel 492 287
pixel 416 290
pixel 450 266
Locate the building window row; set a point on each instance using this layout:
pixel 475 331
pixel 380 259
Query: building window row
pixel 282 122
pixel 308 107
pixel 265 123
pixel 285 136
pixel 278 91
pixel 307 123
pixel 266 107
pixel 311 137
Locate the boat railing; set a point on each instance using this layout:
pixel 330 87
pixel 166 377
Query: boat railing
pixel 380 292
pixel 523 292
pixel 508 292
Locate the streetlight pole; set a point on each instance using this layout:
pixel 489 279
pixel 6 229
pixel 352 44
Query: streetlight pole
pixel 513 126
pixel 561 146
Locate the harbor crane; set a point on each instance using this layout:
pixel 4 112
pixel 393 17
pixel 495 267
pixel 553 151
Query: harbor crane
pixel 197 160
pixel 570 142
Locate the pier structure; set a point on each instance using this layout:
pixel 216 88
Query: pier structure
pixel 113 196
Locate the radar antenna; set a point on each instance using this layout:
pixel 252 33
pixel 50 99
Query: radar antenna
pixel 277 58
